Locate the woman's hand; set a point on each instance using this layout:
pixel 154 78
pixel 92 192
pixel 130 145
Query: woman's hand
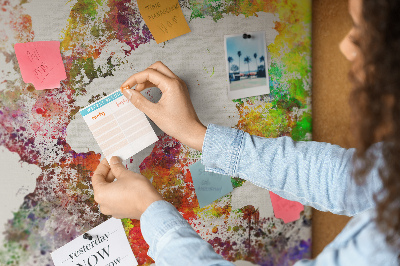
pixel 174 113
pixel 127 197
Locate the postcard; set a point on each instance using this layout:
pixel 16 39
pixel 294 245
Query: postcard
pixel 246 64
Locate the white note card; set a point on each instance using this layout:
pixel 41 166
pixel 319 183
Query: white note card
pixel 108 247
pixel 118 126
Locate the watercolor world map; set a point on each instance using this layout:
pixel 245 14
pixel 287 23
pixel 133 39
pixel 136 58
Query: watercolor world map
pixel 48 154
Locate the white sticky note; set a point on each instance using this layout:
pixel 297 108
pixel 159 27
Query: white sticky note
pixel 118 126
pixel 108 246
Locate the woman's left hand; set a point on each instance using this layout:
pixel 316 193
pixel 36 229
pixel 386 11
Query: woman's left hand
pixel 127 197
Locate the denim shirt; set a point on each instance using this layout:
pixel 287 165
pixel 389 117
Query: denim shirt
pixel 312 173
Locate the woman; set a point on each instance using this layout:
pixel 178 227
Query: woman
pixel 363 183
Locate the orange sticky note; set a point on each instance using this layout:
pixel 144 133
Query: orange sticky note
pixel 41 64
pixel 164 18
pixel 284 209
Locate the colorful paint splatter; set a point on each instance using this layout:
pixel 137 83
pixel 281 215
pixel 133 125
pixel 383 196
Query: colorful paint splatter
pixel 34 125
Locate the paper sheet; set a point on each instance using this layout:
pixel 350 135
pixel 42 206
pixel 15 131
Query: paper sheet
pixel 108 246
pixel 284 209
pixel 118 126
pixel 164 18
pixel 209 186
pixel 41 64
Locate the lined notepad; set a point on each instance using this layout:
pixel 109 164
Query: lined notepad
pixel 118 126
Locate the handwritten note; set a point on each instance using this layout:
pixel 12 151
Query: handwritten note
pixel 209 186
pixel 41 64
pixel 118 126
pixel 164 18
pixel 284 209
pixel 108 246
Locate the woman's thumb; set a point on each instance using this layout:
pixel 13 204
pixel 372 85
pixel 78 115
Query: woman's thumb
pixel 117 167
pixel 138 100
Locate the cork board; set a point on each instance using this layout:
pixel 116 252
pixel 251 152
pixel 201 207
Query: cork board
pixel 331 90
pixel 330 95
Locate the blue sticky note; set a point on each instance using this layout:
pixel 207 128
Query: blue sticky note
pixel 209 186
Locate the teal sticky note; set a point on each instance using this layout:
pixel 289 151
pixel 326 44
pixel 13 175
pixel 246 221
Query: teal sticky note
pixel 209 186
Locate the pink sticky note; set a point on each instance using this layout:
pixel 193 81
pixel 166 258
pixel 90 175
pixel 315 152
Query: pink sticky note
pixel 286 210
pixel 41 63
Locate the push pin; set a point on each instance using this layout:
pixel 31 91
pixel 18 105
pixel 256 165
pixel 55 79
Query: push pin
pixel 246 36
pixel 87 236
pixel 124 88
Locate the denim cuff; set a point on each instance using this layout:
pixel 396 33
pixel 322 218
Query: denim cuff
pixel 222 148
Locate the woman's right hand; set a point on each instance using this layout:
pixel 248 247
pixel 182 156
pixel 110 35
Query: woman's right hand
pixel 174 112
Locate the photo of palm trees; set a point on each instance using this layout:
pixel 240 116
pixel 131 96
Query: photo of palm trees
pixel 246 64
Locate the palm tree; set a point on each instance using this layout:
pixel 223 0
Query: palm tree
pixel 255 58
pixel 234 68
pixel 230 60
pixel 247 60
pixel 262 59
pixel 239 54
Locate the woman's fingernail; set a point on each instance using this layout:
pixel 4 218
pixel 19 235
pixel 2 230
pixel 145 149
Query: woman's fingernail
pixel 115 160
pixel 127 93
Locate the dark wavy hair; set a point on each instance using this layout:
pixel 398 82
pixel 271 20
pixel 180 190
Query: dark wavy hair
pixel 376 107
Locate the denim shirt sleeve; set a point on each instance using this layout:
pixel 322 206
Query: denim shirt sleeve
pixel 312 173
pixel 172 240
